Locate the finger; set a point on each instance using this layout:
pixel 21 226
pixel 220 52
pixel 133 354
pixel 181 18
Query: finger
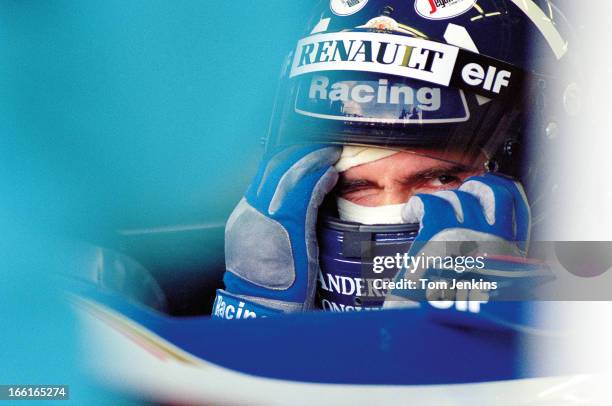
pixel 484 194
pixel 414 210
pixel 269 164
pixel 303 176
pixel 432 212
pixel 522 210
pixel 453 199
pixel 476 221
pixel 302 159
pixel 496 201
pixel 511 205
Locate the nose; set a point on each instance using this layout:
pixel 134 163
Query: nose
pixel 395 194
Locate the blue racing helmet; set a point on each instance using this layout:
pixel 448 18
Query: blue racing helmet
pixel 440 75
pixel 478 82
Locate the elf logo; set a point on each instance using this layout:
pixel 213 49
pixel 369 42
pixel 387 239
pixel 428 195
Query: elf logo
pixel 465 300
pixel 491 79
pixel 442 9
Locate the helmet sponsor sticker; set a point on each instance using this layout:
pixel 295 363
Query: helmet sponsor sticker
pixel 442 9
pixel 376 52
pixel 379 100
pixel 346 7
pixel 408 57
pixel 382 23
pixel 486 76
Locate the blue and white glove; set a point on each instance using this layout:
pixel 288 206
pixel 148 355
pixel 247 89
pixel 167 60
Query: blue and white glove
pixel 485 208
pixel 488 213
pixel 271 250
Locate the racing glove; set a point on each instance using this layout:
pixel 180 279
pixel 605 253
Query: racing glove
pixel 488 214
pixel 271 251
pixel 484 208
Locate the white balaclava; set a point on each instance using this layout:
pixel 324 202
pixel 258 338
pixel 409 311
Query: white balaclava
pixel 348 211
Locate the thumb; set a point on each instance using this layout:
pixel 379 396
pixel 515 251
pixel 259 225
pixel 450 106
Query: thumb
pixel 414 211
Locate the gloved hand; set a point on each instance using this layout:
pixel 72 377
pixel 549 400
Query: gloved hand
pixel 487 214
pixel 271 251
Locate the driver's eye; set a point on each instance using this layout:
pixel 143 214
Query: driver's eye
pixel 446 179
pixel 345 187
pixel 443 180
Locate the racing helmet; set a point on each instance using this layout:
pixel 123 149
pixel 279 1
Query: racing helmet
pixel 467 81
pixel 436 74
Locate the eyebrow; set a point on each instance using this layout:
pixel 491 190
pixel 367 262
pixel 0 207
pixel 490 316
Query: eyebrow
pixel 424 174
pixel 353 182
pixel 435 172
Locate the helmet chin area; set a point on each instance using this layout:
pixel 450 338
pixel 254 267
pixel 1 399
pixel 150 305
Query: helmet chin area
pixel 346 251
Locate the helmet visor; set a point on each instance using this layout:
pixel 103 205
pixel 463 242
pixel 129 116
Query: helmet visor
pixel 416 95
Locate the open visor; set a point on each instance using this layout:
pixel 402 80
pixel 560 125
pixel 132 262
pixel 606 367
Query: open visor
pixel 386 90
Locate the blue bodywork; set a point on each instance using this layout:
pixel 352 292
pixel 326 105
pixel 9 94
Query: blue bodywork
pixel 398 347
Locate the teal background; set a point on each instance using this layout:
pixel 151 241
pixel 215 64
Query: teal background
pixel 122 115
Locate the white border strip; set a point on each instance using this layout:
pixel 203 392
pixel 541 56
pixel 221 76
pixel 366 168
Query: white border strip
pixel 387 120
